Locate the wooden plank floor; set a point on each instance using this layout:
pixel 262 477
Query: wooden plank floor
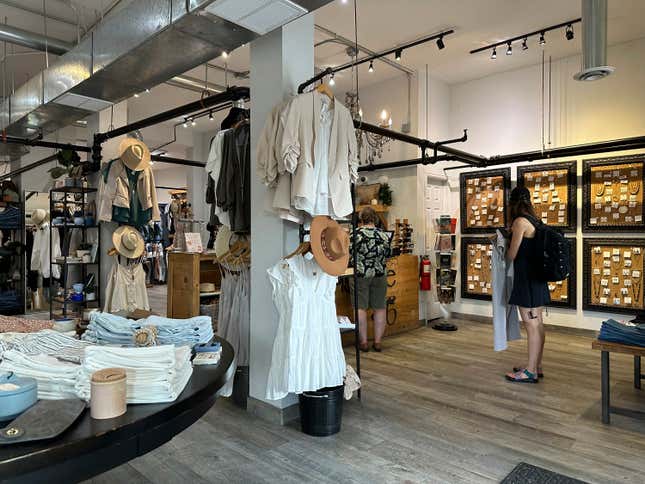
pixel 435 409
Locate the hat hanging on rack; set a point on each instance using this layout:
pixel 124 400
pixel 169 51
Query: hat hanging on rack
pixel 223 240
pixel 329 245
pixel 38 216
pixel 128 241
pixel 134 154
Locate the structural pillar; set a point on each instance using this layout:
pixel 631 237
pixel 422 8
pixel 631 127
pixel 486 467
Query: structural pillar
pixel 279 62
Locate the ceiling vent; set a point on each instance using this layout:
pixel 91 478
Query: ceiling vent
pixel 259 16
pixel 82 102
pixel 594 41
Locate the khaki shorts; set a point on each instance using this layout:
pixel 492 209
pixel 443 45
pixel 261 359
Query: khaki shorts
pixel 372 292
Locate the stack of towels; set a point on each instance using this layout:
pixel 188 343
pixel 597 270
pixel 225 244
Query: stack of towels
pixel 154 374
pixel 105 328
pixel 621 332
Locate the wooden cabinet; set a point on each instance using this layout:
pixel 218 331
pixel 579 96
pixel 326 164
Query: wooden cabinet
pixel 185 272
pixel 402 296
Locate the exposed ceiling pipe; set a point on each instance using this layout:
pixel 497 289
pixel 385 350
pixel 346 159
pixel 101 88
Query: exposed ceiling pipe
pixel 33 40
pixel 594 41
pixel 194 84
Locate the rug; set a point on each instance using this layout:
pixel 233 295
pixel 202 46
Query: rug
pixel 529 474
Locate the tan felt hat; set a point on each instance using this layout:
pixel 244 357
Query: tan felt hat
pixel 134 154
pixel 329 245
pixel 128 242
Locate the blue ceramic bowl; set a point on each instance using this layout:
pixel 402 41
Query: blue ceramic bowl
pixel 17 394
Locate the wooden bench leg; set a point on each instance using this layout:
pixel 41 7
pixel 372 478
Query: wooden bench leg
pixel 637 372
pixel 604 360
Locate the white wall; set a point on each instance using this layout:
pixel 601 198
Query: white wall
pixel 504 114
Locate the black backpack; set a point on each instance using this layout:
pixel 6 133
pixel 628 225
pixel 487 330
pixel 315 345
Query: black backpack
pixel 552 261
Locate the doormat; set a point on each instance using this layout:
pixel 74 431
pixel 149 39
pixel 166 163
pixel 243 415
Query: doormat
pixel 529 474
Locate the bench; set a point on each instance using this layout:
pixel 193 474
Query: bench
pixel 605 348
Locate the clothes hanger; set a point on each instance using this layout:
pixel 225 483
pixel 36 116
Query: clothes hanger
pixel 302 249
pixel 325 89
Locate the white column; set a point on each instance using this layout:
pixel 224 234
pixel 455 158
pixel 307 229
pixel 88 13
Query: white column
pixel 279 62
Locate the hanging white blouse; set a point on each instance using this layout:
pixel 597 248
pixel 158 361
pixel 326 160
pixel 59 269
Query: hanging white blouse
pixel 40 253
pixel 307 350
pixel 126 289
pixel 213 168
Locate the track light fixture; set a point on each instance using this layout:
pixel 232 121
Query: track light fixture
pixel 440 43
pixel 371 67
pixel 398 54
pixel 193 122
pixel 542 41
pixel 210 116
pixel 136 94
pixel 524 45
pixel 331 80
pixel 224 54
pixel 185 124
pixel 509 49
pixel 569 32
pixel 494 54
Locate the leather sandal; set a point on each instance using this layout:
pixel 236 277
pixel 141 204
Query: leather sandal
pixel 523 376
pixel 377 347
pixel 364 347
pixel 519 368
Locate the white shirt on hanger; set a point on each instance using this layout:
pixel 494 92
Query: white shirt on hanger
pixel 40 253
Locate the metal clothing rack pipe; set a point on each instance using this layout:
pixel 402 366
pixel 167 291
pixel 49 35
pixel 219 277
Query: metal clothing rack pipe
pixel 177 161
pixel 31 166
pixel 39 142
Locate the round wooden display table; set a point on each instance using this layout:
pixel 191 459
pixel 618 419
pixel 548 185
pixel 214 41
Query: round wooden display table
pixel 90 447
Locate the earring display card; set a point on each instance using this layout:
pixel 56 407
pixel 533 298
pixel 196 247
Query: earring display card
pixel 563 293
pixel 613 194
pixel 476 280
pixel 614 274
pixel 484 196
pixel 553 192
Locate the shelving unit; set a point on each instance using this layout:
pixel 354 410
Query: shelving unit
pixel 67 307
pixel 15 285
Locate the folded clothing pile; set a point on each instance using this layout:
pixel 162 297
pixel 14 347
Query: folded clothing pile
pixel 45 342
pixel 56 378
pixel 105 328
pixel 624 333
pixel 154 374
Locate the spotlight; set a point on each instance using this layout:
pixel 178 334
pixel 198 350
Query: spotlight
pixel 193 122
pixel 509 49
pixel 331 80
pixel 148 90
pixel 185 124
pixel 210 116
pixel 494 54
pixel 569 32
pixel 440 43
pixel 371 68
pixel 524 46
pixel 397 54
pixel 136 94
pixel 224 54
pixel 542 41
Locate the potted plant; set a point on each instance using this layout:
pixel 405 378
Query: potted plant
pixel 69 163
pixel 385 194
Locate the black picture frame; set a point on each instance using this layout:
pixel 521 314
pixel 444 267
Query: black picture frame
pixel 571 302
pixel 465 242
pixel 587 199
pixel 588 245
pixel 463 177
pixel 572 182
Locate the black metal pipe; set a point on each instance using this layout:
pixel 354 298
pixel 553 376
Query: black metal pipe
pixel 316 78
pixel 462 139
pixel 43 144
pixel 31 166
pixel 403 163
pixel 232 93
pixel 177 161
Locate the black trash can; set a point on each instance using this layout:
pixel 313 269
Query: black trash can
pixel 321 411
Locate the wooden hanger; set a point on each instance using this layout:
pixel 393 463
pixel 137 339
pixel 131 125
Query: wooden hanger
pixel 302 249
pixel 112 251
pixel 325 89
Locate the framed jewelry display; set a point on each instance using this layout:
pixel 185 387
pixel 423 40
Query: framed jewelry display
pixel 613 275
pixel 484 196
pixel 476 267
pixel 553 192
pixel 563 293
pixel 613 194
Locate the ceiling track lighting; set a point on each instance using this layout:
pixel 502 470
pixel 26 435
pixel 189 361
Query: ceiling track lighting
pixel 440 43
pixel 541 34
pixel 494 54
pixel 193 122
pixel 398 54
pixel 210 116
pixel 371 67
pixel 185 123
pixel 331 80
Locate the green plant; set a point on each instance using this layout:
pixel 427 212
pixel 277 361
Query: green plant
pixel 69 163
pixel 385 194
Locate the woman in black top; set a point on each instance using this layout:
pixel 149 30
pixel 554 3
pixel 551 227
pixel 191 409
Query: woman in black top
pixel 529 294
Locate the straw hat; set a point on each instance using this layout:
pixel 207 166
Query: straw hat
pixel 134 154
pixel 38 216
pixel 330 245
pixel 205 287
pixel 223 240
pixel 128 242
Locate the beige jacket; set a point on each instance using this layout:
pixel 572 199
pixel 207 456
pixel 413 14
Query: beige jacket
pixel 301 122
pixel 116 191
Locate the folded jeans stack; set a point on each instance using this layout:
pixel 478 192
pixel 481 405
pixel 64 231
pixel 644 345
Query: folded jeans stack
pixel 624 333
pixel 154 374
pixel 105 328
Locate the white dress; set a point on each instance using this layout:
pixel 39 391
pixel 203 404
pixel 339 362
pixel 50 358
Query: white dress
pixel 126 289
pixel 307 350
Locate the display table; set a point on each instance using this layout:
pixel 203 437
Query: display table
pixel 90 447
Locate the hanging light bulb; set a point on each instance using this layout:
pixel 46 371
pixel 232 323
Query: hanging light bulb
pixel 509 49
pixel 524 46
pixel 494 54
pixel 569 32
pixel 331 80
pixel 210 116
pixel 397 54
pixel 371 67
pixel 542 41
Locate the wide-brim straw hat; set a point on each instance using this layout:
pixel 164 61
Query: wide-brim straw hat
pixel 223 240
pixel 134 154
pixel 38 216
pixel 329 245
pixel 128 242
pixel 206 287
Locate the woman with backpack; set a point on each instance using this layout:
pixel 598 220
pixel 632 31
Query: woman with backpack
pixel 529 293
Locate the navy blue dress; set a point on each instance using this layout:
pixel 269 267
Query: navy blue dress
pixel 527 292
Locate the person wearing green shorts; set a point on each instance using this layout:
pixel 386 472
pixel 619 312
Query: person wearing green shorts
pixel 372 251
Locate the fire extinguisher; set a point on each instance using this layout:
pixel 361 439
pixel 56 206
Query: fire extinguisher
pixel 424 273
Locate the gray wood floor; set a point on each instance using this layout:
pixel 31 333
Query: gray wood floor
pixel 435 409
